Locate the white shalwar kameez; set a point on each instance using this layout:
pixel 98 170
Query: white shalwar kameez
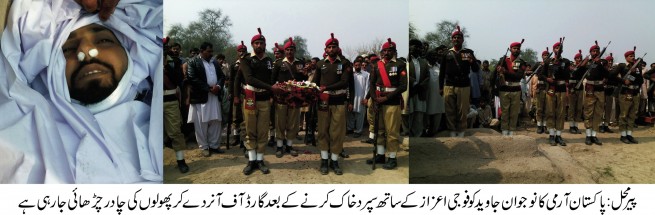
pixel 206 118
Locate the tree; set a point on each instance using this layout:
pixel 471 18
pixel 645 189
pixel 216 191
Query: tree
pixel 212 26
pixel 412 31
pixel 301 47
pixel 367 48
pixel 441 36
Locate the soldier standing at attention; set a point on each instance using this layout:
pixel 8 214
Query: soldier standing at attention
pixel 512 68
pixel 557 72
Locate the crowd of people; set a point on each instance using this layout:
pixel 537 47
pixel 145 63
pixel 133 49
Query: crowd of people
pixel 208 99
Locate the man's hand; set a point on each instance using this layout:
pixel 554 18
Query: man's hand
pixel 380 99
pixel 215 89
pixel 364 102
pixel 500 69
pixel 236 100
pixel 277 90
pixel 350 108
pixel 321 89
pixel 550 80
pixel 627 82
pixel 104 8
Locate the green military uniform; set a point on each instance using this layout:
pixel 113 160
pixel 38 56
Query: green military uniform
pixel 575 100
pixel 559 72
pixel 390 115
pixel 540 100
pixel 287 116
pixel 628 99
pixel 611 104
pixel 510 93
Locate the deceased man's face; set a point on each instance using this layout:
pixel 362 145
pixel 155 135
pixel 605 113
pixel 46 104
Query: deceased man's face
pixel 92 79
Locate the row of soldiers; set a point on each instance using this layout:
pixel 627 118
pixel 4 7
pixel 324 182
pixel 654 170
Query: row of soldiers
pixel 252 85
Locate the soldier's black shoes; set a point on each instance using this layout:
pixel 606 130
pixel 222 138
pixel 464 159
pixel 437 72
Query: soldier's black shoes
pixel 379 159
pixel 392 163
pixel 601 129
pixel 237 140
pixel 551 140
pixel 324 167
pixel 291 151
pixel 271 142
pixel 558 139
pixel 596 141
pixel 625 140
pixel 632 139
pixel 216 151
pixel 278 152
pixel 262 167
pixel 369 141
pixel 588 140
pixel 608 130
pixel 181 164
pixel 540 129
pixel 335 167
pixel 344 154
pixel 574 130
pixel 250 167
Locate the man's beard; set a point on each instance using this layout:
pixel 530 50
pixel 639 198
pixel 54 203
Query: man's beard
pixel 92 92
pixel 259 50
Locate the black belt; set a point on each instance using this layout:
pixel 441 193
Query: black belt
pixel 170 98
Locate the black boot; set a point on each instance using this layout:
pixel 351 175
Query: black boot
pixel 250 167
pixel 588 140
pixel 391 164
pixel 572 130
pixel 324 167
pixel 344 154
pixel 577 131
pixel 540 129
pixel 601 129
pixel 181 164
pixel 271 141
pixel 608 130
pixel 596 141
pixel 559 140
pixel 369 141
pixel 625 140
pixel 335 167
pixel 278 152
pixel 632 139
pixel 551 140
pixel 237 141
pixel 379 159
pixel 263 167
pixel 291 151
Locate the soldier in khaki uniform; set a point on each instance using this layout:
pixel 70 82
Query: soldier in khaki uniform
pixel 540 95
pixel 557 73
pixel 575 96
pixel 278 53
pixel 388 81
pixel 628 98
pixel 610 100
pixel 287 115
pixel 594 93
pixel 256 70
pixel 512 68
pixel 234 90
pixel 332 75
pixel 455 83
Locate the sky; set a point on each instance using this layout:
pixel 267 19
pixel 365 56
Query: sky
pixel 494 24
pixel 354 23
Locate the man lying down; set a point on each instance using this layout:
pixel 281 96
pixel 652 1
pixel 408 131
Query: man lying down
pixel 81 98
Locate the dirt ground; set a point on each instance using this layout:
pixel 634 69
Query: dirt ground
pixel 226 168
pixel 486 157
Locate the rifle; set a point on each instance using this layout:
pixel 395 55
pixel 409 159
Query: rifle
pixel 499 76
pixel 617 90
pixel 376 129
pixel 538 67
pixel 229 121
pixel 592 66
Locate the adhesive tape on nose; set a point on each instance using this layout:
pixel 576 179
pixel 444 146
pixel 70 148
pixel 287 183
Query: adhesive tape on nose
pixel 80 56
pixel 93 52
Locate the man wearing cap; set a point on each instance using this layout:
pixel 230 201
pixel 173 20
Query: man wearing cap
pixel 540 95
pixel 557 73
pixel 172 120
pixel 455 84
pixel 512 68
pixel 278 53
pixel 388 80
pixel 332 75
pixel 287 115
pixel 420 77
pixel 610 100
pixel 575 96
pixel 594 93
pixel 628 98
pixel 256 70
pixel 205 113
pixel 236 90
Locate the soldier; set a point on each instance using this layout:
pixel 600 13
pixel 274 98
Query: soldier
pixel 630 82
pixel 594 99
pixel 256 70
pixel 455 83
pixel 557 72
pixel 540 96
pixel 575 96
pixel 389 78
pixel 236 90
pixel 278 52
pixel 332 76
pixel 511 69
pixel 610 100
pixel 287 115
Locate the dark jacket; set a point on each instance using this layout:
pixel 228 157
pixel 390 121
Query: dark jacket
pixel 421 89
pixel 197 78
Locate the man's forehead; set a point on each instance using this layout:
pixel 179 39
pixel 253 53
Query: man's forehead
pixel 92 28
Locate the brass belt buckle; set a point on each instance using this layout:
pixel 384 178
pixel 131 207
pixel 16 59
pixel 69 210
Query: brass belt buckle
pixel 628 97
